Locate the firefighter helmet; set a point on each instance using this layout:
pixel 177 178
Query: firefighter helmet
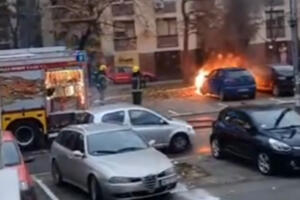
pixel 136 69
pixel 102 67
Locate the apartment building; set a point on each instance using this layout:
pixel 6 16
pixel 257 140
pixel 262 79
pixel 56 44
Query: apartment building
pixel 148 33
pixel 274 35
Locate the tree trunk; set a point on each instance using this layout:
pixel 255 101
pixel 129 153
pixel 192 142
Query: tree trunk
pixel 186 67
pixel 84 39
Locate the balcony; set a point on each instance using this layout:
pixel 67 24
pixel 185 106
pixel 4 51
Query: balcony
pixel 167 41
pixel 164 7
pixel 124 9
pixel 125 44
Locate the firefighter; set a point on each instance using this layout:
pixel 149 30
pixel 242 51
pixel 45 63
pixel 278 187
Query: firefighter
pixel 137 86
pixel 101 82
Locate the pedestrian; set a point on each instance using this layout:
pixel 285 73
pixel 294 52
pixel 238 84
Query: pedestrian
pixel 101 82
pixel 138 84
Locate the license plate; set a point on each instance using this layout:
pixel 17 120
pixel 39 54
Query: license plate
pixel 168 181
pixel 243 90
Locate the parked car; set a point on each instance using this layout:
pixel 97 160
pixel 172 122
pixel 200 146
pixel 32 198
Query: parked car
pixel 269 136
pixel 230 83
pixel 278 79
pixel 12 158
pixel 175 134
pixel 123 74
pixel 110 162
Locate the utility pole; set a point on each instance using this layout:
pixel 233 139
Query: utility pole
pixel 1 159
pixel 295 48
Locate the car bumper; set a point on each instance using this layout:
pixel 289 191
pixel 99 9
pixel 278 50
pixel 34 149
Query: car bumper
pixel 240 91
pixel 138 190
pixel 289 161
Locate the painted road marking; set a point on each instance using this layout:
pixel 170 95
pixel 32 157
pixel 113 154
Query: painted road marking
pixel 45 188
pixel 173 112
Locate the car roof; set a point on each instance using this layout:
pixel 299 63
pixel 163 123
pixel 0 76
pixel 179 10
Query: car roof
pixel 233 69
pixel 112 107
pixel 90 129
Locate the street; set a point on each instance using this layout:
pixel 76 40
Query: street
pixel 217 180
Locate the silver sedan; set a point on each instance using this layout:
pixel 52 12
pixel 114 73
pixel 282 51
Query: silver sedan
pixel 110 162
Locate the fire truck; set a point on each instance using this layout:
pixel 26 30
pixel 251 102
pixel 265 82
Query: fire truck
pixel 35 85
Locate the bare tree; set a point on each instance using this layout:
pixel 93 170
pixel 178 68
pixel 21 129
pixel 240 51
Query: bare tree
pixel 79 22
pixel 9 11
pixel 199 17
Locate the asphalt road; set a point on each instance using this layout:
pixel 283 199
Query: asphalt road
pixel 226 180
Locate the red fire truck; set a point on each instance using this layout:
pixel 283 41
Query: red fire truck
pixel 37 83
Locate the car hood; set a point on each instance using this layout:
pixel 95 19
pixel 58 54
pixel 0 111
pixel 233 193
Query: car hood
pixel 134 164
pixel 289 136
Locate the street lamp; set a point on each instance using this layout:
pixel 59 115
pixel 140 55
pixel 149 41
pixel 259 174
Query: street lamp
pixel 295 48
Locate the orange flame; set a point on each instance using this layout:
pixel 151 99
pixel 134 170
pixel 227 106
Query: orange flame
pixel 221 61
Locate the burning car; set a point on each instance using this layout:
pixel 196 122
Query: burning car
pixel 277 79
pixel 229 83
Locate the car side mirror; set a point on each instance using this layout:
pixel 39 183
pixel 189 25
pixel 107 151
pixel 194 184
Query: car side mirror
pixel 29 159
pixel 163 122
pixel 151 143
pixel 78 154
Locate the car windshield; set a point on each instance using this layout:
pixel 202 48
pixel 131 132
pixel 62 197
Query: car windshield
pixel 283 118
pixel 114 142
pixel 284 69
pixel 11 156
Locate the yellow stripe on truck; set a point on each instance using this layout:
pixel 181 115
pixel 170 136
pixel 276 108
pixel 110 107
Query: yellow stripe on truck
pixel 40 115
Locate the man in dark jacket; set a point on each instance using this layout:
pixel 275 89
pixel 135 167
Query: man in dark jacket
pixel 137 86
pixel 101 82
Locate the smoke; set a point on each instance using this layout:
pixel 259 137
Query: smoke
pixel 237 28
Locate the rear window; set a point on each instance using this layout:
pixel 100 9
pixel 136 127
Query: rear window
pixel 238 74
pixel 10 153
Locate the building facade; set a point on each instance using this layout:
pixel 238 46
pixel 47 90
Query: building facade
pixel 148 33
pixel 273 40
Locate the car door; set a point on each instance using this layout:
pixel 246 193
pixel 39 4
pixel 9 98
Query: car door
pixel 150 126
pixel 240 138
pixel 214 82
pixel 78 169
pixel 61 151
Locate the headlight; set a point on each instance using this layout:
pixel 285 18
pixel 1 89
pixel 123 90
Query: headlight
pixel 279 146
pixel 190 129
pixel 281 78
pixel 24 186
pixel 117 180
pixel 169 171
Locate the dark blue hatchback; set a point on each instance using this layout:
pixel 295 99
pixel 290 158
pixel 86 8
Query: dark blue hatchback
pixel 230 83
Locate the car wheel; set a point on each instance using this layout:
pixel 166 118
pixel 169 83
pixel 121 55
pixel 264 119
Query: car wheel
pixel 179 143
pixel 95 192
pixel 264 164
pixel 276 91
pixel 216 150
pixel 56 174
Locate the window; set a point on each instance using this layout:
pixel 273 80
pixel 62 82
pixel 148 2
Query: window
pixel 124 35
pixel 275 24
pixel 125 8
pixel 167 33
pixel 164 6
pixel 237 119
pixel 67 139
pixel 114 118
pixel 140 117
pixel 274 2
pixel 10 153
